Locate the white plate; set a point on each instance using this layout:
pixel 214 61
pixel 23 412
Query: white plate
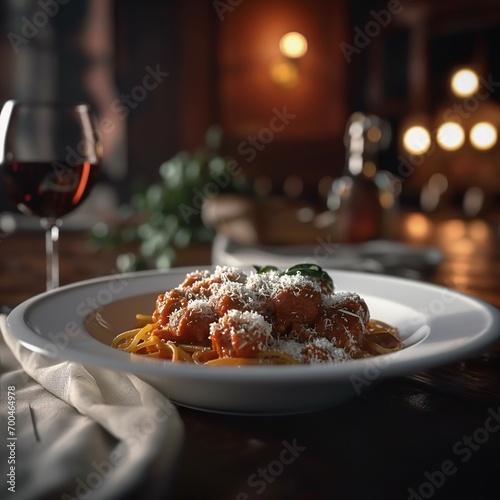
pixel 437 326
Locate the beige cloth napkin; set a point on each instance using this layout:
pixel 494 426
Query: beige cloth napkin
pixel 82 432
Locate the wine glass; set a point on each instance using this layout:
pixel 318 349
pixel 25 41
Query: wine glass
pixel 49 161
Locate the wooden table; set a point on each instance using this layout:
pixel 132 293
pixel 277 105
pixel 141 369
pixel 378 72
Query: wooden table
pixel 433 435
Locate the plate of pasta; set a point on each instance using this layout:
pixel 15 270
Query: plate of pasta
pixel 256 340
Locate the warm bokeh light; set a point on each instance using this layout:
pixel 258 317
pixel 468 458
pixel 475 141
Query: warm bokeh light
pixel 483 135
pixel 285 73
pixel 452 229
pixel 293 45
pixel 416 140
pixel 418 226
pixel 374 134
pixel 464 82
pixel 386 200
pixel 480 231
pixel 369 169
pixel 450 136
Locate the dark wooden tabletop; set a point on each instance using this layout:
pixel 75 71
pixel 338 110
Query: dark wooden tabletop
pixel 435 434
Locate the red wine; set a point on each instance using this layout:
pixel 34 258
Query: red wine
pixel 48 189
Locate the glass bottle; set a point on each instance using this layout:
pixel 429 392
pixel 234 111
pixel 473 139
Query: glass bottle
pixel 365 196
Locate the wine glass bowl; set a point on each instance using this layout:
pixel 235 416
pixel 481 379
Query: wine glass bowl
pixel 49 162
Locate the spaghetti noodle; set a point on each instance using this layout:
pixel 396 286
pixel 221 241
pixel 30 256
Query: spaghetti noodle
pixel 267 317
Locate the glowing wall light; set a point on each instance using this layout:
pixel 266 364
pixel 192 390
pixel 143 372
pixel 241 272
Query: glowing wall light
pixel 450 136
pixel 293 45
pixel 464 82
pixel 483 135
pixel 285 72
pixel 416 140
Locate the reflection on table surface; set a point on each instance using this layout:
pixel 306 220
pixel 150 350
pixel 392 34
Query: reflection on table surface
pixel 435 433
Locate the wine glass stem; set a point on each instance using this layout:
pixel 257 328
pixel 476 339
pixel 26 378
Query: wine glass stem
pixel 51 227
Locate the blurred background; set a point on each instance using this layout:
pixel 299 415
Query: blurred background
pixel 188 91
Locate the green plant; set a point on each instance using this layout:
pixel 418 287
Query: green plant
pixel 164 217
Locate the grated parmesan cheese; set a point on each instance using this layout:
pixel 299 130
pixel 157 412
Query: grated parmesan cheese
pixel 296 283
pixel 235 290
pixel 337 298
pixel 335 353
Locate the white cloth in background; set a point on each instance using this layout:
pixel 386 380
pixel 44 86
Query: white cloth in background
pixel 83 432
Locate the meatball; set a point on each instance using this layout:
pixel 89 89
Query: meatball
pixel 344 319
pixel 194 277
pixel 190 324
pixel 205 285
pixel 297 300
pixel 232 295
pixel 240 334
pixel 167 303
